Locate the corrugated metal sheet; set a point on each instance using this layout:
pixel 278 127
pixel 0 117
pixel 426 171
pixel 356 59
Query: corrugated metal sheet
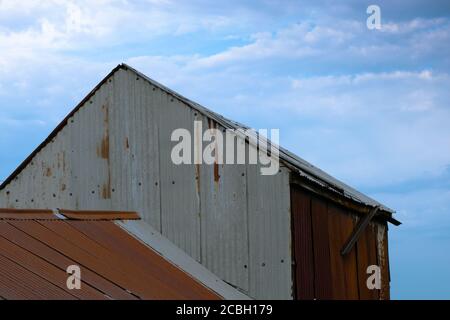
pixel 303 245
pixel 224 220
pixel 344 270
pixel 269 217
pixel 148 235
pixel 367 256
pixel 98 215
pixel 321 244
pixel 113 152
pixel 34 256
pixel 299 165
pixel 320 230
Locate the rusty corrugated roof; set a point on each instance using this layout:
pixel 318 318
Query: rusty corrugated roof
pixel 37 247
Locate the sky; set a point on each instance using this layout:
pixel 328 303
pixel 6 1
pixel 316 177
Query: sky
pixel 370 107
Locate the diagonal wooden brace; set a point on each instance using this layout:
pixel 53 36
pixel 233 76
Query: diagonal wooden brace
pixel 359 229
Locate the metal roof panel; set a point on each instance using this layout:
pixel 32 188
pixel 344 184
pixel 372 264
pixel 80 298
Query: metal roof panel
pixel 35 254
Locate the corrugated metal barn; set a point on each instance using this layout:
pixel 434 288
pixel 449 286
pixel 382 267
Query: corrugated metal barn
pixel 115 262
pixel 299 234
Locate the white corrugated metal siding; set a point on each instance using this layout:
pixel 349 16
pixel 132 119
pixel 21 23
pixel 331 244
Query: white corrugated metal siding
pixel 114 153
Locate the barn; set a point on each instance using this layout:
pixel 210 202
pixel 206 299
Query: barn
pixel 298 234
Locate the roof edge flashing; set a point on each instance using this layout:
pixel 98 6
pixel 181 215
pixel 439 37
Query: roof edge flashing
pixel 163 246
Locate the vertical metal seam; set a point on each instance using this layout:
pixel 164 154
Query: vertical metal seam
pixel 293 258
pixel 159 184
pixel 357 262
pixel 312 245
pixel 199 195
pixel 248 229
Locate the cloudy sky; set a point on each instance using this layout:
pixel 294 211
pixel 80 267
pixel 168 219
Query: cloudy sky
pixel 371 107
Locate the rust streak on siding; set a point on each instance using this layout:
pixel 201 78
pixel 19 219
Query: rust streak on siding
pixel 105 154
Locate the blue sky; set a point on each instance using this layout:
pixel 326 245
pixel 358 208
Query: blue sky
pixel 371 107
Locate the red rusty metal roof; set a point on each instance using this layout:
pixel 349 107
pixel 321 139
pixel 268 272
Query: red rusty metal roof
pixel 37 247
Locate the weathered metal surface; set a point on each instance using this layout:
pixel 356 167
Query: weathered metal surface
pixel 114 153
pixel 54 275
pixel 320 240
pixel 303 245
pixel 24 214
pixel 148 235
pixel 343 268
pixel 269 227
pixel 302 167
pixel 366 247
pixel 222 189
pixel 99 215
pixel 383 260
pixel 359 229
pixel 356 207
pixel 180 199
pixel 58 214
pixel 22 283
pixel 35 254
pixel 295 163
pixel 320 228
pixel 26 211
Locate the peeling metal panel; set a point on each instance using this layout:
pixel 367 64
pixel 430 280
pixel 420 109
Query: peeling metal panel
pixel 366 247
pixel 303 250
pixel 269 224
pixel 321 248
pixel 344 272
pixel 383 260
